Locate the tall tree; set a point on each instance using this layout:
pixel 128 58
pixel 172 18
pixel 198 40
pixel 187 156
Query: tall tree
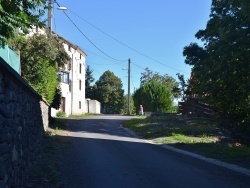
pixel 19 14
pixel 166 80
pixel 154 97
pixel 41 57
pixel 183 87
pixel 221 73
pixel 89 79
pixel 108 90
pixel 125 105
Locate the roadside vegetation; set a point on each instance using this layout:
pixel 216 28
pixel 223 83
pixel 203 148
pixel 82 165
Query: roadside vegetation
pixel 45 170
pixel 220 63
pixel 82 115
pixel 204 136
pixel 42 55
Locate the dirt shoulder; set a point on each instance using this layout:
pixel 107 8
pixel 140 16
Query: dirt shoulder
pixel 46 168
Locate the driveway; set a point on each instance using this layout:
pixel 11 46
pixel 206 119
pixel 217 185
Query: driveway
pixel 103 154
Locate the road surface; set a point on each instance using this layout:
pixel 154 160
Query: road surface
pixel 103 154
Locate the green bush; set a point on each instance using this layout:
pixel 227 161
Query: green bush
pixel 60 114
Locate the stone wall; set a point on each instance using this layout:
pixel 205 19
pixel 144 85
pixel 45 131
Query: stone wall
pixel 23 121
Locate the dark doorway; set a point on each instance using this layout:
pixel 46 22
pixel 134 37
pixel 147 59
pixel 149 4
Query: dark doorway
pixel 63 104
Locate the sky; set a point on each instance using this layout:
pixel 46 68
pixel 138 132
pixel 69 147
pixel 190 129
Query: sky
pixel 150 33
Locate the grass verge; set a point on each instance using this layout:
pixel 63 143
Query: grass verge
pixel 82 115
pixel 45 170
pixel 199 135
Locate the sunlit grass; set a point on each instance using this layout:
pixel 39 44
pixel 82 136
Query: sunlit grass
pixel 167 126
pixel 180 138
pixel 82 115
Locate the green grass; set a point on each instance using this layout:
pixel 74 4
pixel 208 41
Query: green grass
pixel 45 170
pixel 180 138
pixel 199 135
pixel 167 126
pixel 81 115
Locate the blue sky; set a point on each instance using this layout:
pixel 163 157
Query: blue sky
pixel 158 30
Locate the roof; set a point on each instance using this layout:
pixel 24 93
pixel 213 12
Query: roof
pixel 71 44
pixel 35 30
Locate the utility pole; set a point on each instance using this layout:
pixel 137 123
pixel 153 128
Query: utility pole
pixel 128 112
pixel 50 16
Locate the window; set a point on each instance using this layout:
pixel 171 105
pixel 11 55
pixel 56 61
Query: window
pixel 64 77
pixel 80 85
pixel 80 68
pixel 80 104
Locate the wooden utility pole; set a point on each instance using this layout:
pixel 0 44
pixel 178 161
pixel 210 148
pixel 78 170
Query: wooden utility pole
pixel 128 112
pixel 50 16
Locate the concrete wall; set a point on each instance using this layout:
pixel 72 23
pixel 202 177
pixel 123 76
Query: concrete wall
pixel 23 121
pixel 92 106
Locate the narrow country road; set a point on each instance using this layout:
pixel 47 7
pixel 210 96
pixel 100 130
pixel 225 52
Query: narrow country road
pixel 103 154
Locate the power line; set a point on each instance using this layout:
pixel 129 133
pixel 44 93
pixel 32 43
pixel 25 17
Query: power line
pixel 138 66
pixel 97 72
pixel 152 59
pixel 97 54
pixel 103 64
pixel 88 38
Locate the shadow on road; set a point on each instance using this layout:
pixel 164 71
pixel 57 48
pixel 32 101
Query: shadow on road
pixel 108 162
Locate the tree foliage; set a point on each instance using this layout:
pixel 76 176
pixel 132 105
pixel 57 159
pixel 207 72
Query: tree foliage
pixel 221 71
pixel 154 97
pixel 41 57
pixel 19 14
pixel 125 105
pixel 108 90
pixel 166 80
pixel 183 87
pixel 89 79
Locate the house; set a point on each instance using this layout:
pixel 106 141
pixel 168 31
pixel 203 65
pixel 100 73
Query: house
pixel 72 81
pixel 72 77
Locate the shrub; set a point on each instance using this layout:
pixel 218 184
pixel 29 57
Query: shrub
pixel 60 114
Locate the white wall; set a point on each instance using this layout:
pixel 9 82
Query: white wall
pixel 92 106
pixel 78 80
pixel 74 94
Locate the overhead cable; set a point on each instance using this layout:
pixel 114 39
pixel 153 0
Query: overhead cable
pixel 89 39
pixel 152 59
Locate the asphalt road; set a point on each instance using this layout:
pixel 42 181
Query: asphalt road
pixel 103 154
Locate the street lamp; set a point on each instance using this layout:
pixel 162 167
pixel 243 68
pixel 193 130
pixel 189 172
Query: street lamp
pixel 62 8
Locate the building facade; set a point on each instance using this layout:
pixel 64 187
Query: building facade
pixel 72 81
pixel 72 77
